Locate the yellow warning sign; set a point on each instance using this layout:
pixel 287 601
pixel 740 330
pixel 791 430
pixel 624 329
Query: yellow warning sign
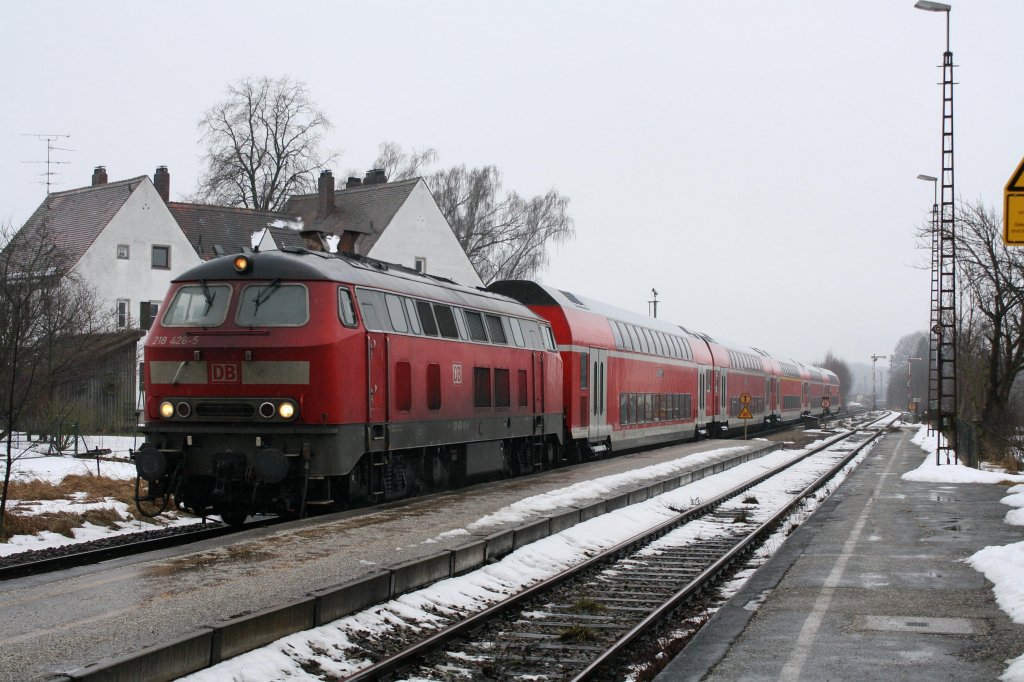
pixel 1013 208
pixel 745 413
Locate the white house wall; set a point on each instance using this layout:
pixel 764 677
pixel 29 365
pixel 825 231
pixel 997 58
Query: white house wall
pixel 419 230
pixel 142 222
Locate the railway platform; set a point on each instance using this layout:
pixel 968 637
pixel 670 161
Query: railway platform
pixel 872 587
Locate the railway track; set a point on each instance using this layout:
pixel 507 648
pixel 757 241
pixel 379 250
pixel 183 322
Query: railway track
pixel 574 625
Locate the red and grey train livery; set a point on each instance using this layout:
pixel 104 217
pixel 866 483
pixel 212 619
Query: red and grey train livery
pixel 280 380
pixel 287 380
pixel 632 381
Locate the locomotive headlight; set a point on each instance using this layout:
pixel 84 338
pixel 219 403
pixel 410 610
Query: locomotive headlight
pixel 166 409
pixel 243 264
pixel 286 410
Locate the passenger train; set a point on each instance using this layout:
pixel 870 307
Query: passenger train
pixel 286 381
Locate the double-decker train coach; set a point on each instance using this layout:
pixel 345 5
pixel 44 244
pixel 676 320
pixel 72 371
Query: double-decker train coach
pixel 633 381
pixel 283 380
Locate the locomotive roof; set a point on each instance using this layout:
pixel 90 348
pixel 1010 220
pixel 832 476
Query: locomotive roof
pixel 297 264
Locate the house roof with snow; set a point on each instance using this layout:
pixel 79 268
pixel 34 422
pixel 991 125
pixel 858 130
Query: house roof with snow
pixel 218 230
pixel 366 209
pixel 75 218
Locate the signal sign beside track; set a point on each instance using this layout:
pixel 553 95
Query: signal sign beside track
pixel 1013 208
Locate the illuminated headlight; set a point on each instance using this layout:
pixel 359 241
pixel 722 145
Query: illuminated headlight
pixel 166 410
pixel 243 264
pixel 286 410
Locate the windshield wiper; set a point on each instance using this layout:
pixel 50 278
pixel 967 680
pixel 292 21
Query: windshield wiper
pixel 208 295
pixel 265 294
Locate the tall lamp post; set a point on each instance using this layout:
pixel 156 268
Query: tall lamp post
pixel 910 395
pixel 932 407
pixel 944 327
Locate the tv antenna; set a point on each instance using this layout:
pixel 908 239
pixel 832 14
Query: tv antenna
pixel 49 138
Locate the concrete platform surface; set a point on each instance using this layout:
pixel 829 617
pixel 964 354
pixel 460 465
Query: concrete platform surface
pixel 872 587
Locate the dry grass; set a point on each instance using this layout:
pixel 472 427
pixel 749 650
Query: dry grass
pixel 95 489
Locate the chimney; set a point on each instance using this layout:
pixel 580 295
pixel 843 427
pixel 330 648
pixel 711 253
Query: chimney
pixel 353 182
pixel 375 177
pixel 99 176
pixel 325 192
pixel 162 182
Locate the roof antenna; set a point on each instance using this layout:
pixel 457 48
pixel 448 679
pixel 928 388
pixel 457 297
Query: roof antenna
pixel 50 138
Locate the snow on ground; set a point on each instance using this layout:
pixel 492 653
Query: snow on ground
pixel 33 463
pixel 337 648
pixel 1002 565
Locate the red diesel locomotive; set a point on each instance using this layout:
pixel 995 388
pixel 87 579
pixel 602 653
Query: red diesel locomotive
pixel 281 380
pixel 286 380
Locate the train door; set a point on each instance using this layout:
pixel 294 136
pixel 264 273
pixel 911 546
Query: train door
pixel 710 384
pixel 596 428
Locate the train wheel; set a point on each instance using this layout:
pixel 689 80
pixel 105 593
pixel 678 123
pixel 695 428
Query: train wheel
pixel 234 514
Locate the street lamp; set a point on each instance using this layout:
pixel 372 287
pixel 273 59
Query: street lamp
pixel 874 392
pixel 910 397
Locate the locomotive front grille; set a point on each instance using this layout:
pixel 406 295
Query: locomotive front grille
pixel 225 410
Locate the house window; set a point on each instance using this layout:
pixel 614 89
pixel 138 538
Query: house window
pixel 122 251
pixel 421 265
pixel 122 312
pixel 147 313
pixel 162 257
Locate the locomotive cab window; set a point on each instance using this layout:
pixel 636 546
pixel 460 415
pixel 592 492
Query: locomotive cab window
pixel 198 305
pixel 273 305
pixel 346 310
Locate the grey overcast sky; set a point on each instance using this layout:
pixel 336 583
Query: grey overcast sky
pixel 754 162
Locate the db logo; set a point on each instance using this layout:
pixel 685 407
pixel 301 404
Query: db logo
pixel 224 372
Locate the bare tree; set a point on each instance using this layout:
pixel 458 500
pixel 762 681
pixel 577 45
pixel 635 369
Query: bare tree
pixel 504 235
pixel 263 143
pixel 991 333
pixel 401 165
pixel 44 314
pixel 841 370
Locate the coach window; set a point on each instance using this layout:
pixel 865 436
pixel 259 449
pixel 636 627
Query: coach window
pixel 414 319
pixel 517 332
pixel 476 326
pixel 615 333
pixel 346 311
pixel 433 387
pixel 584 364
pixel 481 387
pixel 427 318
pixel 446 321
pixel 645 340
pixel 495 330
pixel 623 409
pixel 396 312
